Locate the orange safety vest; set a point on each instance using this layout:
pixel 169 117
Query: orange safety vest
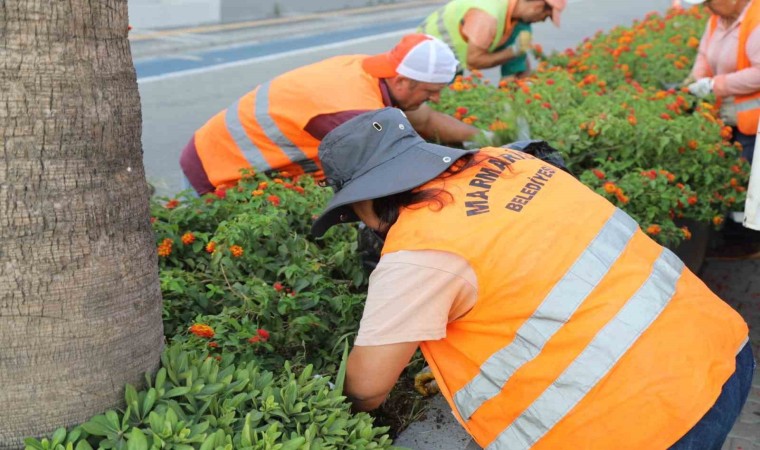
pixel 264 129
pixel 586 333
pixel 747 106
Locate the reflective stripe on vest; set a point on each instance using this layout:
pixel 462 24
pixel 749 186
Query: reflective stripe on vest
pixel 250 151
pixel 596 360
pixel 561 302
pixel 444 32
pixel 747 105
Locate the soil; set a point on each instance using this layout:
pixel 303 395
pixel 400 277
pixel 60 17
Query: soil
pixel 403 407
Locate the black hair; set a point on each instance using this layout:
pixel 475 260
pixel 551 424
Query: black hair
pixel 388 208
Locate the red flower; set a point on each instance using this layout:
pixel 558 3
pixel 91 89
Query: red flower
pixel 278 286
pixel 461 110
pixel 171 204
pixel 263 334
pixel 254 339
pixel 220 192
pixel 665 116
pixel 210 247
pixel 598 173
pixel 299 189
pixel 693 200
pixel 273 199
pixel 213 345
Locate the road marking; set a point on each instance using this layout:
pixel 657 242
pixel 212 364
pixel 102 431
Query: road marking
pixel 280 20
pixel 243 62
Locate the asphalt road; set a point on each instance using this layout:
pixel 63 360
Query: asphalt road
pixel 186 76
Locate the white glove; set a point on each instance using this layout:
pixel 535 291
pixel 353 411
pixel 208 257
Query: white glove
pixel 702 87
pixel 483 139
pixel 523 43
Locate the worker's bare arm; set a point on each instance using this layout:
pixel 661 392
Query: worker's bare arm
pixel 436 126
pixel 372 371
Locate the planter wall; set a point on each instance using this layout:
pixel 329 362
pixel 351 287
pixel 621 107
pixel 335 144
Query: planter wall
pixel 692 252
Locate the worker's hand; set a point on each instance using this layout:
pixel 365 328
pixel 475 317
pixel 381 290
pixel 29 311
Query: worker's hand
pixel 483 139
pixel 702 87
pixel 688 80
pixel 523 43
pixel 425 384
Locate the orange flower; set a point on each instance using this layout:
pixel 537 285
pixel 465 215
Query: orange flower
pixel 498 125
pixel 202 330
pixel 188 238
pixel 653 230
pixel 236 250
pixel 621 197
pixel 171 204
pixel 665 116
pixel 257 192
pixel 717 220
pixel 263 185
pixel 610 188
pixel 278 180
pixel 632 120
pixel 686 233
pixel 692 200
pixel 213 345
pixel 165 247
pixel 299 189
pixel 254 339
pixel 692 42
pixel 692 144
pixel 598 173
pixel 210 247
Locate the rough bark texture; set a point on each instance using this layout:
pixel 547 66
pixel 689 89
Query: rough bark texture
pixel 80 302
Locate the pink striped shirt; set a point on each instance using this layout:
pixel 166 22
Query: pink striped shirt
pixel 719 59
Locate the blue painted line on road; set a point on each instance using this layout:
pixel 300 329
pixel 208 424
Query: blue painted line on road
pixel 162 66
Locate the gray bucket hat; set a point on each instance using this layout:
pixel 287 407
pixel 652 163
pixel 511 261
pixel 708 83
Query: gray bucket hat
pixel 374 155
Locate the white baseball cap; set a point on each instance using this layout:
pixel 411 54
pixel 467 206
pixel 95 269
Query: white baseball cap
pixel 420 57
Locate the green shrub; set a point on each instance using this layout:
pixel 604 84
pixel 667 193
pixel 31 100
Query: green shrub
pixel 198 402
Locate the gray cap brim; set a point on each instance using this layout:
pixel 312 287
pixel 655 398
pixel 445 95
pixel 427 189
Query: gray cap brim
pixel 413 167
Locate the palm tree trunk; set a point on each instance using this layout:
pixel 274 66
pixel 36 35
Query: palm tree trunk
pixel 80 302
